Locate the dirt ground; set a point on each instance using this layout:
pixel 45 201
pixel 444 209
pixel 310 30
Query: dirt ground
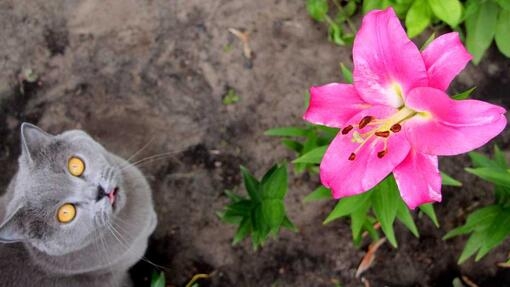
pixel 154 72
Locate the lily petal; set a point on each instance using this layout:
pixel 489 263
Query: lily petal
pixel 333 105
pixel 445 58
pixel 387 65
pixel 449 127
pixel 349 177
pixel 418 179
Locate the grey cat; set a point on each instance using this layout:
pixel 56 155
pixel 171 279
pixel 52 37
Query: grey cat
pixel 73 215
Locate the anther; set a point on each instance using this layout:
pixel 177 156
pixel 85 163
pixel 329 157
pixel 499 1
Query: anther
pixel 347 129
pixel 352 156
pixel 396 128
pixel 365 121
pixel 381 154
pixel 383 134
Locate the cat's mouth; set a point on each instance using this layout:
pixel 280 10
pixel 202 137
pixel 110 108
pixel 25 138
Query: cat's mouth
pixel 112 196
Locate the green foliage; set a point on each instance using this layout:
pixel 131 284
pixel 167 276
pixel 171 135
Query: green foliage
pixel 489 226
pixel 336 15
pixel 158 279
pixel 382 204
pixel 230 97
pixel 309 143
pixel 482 21
pixel 262 213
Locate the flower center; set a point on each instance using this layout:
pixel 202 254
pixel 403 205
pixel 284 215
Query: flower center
pixel 382 130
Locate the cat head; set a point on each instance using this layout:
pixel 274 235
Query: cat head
pixel 66 191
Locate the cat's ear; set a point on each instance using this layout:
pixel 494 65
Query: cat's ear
pixel 11 228
pixel 32 139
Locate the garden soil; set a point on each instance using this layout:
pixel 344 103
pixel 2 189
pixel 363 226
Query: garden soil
pixel 154 73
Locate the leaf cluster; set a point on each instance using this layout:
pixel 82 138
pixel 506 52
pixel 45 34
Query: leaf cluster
pixel 480 21
pixel 489 226
pixel 262 213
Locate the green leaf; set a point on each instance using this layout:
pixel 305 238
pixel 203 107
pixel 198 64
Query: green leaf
pixel 275 185
pixel 385 202
pixel 474 243
pixel 251 184
pixel 448 180
pixel 158 279
pixel 230 97
pixel 450 11
pixel 505 4
pixel 241 208
pixel 233 197
pixel 243 230
pixel 346 73
pixel 405 217
pixel 369 5
pixel 274 212
pixel 464 95
pixel 480 160
pixel 293 145
pixel 335 34
pixel 314 156
pixel 428 41
pixel 478 220
pixel 287 132
pixel 418 18
pixel 428 209
pixel 288 224
pixel 347 205
pixel 317 9
pixel 499 230
pixel 494 175
pixel 480 29
pixel 319 193
pixel 358 219
pixel 499 158
pixel 502 34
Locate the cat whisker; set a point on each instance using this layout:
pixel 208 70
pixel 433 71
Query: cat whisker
pixel 150 158
pixel 140 150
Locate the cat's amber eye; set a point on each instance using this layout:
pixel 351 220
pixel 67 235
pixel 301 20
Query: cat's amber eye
pixel 66 213
pixel 76 166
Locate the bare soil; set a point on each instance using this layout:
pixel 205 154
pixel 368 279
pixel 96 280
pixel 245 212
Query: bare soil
pixel 154 72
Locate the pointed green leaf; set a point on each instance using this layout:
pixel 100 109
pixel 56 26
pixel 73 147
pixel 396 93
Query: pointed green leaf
pixel 428 41
pixel 314 156
pixel 242 231
pixel 418 18
pixel 496 233
pixel 385 202
pixel 288 224
pixel 347 205
pixel 474 243
pixel 499 156
pixel 287 132
pixel 448 180
pixel 158 279
pixel 428 209
pixel 346 73
pixel 505 4
pixel 480 160
pixel 464 95
pixel 293 145
pixel 494 175
pixel 502 34
pixel 449 11
pixel 406 218
pixel 275 185
pixel 319 193
pixel 273 212
pixel 233 197
pixel 317 9
pixel 479 220
pixel 480 29
pixel 358 219
pixel 251 184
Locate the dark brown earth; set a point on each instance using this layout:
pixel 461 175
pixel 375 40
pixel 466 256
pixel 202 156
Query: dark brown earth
pixel 154 72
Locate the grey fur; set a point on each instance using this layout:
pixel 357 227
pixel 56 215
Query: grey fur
pixel 100 244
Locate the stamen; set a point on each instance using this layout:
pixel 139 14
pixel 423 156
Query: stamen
pixel 383 134
pixel 352 156
pixel 347 129
pixel 365 121
pixel 396 128
pixel 382 153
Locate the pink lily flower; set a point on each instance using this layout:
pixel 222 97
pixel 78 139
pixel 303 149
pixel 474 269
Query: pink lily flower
pixel 396 117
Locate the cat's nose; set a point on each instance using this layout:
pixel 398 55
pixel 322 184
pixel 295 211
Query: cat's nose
pixel 100 193
pixel 111 194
